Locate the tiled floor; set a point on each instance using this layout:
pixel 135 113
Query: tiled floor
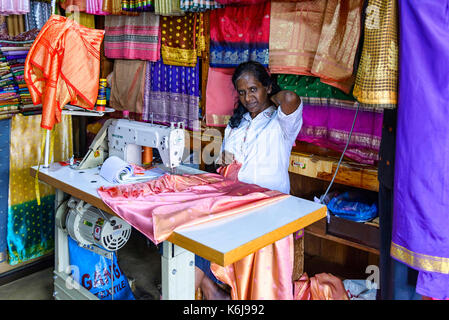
pixel 138 259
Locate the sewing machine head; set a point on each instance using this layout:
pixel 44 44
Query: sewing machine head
pixel 125 139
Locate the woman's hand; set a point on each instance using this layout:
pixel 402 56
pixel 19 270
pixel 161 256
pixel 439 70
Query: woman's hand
pixel 288 100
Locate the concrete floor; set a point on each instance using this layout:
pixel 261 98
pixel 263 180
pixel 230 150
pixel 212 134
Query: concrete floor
pixel 139 260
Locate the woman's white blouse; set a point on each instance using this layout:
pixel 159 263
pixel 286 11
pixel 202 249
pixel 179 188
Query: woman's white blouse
pixel 263 145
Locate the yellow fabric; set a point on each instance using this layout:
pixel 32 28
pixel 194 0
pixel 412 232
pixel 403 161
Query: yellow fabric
pixel 25 151
pixel 376 81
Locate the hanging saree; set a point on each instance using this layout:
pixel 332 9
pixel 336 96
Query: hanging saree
pixel 221 97
pixel 172 94
pixel 31 226
pixel 5 127
pixel 420 237
pixel 63 66
pixel 128 81
pixel 80 4
pixel 158 207
pixel 328 115
pixel 168 8
pixel 317 38
pixel 132 37
pixel 239 34
pixel 376 82
pixel 182 39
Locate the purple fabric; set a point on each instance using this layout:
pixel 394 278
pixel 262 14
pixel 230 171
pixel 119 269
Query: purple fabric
pixel 172 94
pixel 420 235
pixel 328 125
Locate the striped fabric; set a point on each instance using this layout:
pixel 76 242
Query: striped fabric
pixel 132 37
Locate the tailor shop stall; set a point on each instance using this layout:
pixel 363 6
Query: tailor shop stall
pixel 373 122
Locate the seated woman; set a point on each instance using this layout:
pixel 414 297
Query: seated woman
pixel 259 136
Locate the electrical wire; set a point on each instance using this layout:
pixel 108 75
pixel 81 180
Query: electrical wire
pixel 341 158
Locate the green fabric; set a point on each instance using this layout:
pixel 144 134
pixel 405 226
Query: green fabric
pixel 308 86
pixel 30 229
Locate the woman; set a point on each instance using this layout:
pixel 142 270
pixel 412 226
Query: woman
pixel 259 137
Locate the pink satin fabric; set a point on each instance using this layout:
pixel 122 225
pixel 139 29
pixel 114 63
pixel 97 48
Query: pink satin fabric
pixel 263 275
pixel 323 286
pixel 158 207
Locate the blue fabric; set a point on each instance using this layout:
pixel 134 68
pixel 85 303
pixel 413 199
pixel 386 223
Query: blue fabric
pixel 230 56
pixel 353 207
pixel 5 126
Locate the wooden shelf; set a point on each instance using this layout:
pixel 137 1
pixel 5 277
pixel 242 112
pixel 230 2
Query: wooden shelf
pixel 323 168
pixel 318 229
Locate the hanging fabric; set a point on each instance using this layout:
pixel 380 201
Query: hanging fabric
pixel 127 85
pixel 182 39
pixel 328 115
pixel 39 13
pixel 5 127
pixel 316 38
pixel 139 6
pixel 73 72
pixel 239 34
pixel 172 94
pixel 31 226
pixel 95 7
pixel 221 97
pixel 420 237
pixel 376 83
pixel 168 8
pixel 132 37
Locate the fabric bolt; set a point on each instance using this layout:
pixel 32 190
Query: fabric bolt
pixel 318 38
pixel 376 82
pixel 221 97
pixel 63 66
pixel 239 34
pixel 172 94
pixel 420 238
pixel 31 226
pixel 158 207
pixel 133 37
pixel 128 81
pixel 5 127
pixel 182 39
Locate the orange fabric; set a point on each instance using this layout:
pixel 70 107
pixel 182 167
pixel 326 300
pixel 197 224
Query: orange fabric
pixel 63 66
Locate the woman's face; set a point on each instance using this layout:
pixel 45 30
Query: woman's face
pixel 252 94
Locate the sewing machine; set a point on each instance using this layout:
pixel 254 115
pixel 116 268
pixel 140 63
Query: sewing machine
pixel 124 139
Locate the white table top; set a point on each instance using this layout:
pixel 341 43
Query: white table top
pixel 222 241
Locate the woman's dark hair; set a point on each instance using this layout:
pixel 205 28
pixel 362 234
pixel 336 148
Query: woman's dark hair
pixel 260 73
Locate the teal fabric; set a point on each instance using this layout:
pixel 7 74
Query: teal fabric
pixel 30 229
